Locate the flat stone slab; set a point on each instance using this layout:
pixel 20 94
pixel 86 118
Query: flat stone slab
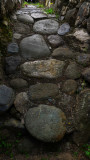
pixel 34 47
pixel 47 26
pixel 25 18
pixel 36 11
pixel 38 15
pixel 42 91
pixel 64 28
pixel 6 98
pixel 43 68
pixel 46 123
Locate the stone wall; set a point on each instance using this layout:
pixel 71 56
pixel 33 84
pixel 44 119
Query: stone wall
pixel 7 6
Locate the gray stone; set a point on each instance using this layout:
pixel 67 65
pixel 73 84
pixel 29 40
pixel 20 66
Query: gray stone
pixel 45 68
pixel 70 86
pixel 12 64
pixel 38 15
pixel 46 123
pixel 43 91
pixel 22 103
pixel 25 145
pixel 36 11
pixel 83 59
pixel 12 48
pixel 51 16
pixel 25 18
pixel 19 12
pixel 18 83
pixel 81 35
pixel 64 52
pixel 34 47
pixel 55 40
pixel 47 26
pixel 64 28
pixel 88 24
pixel 71 16
pixel 82 118
pixel 6 98
pixel 21 28
pixel 14 17
pixel 83 13
pixel 17 36
pixel 72 71
pixel 86 74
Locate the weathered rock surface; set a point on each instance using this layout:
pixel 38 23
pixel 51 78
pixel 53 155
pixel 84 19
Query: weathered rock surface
pixel 71 16
pixel 22 103
pixel 21 28
pixel 38 15
pixel 18 83
pixel 47 26
pixel 34 47
pixel 6 98
pixel 43 69
pixel 12 64
pixel 83 59
pixel 25 18
pixel 72 71
pixel 86 74
pixel 46 123
pixel 65 156
pixel 55 40
pixel 17 36
pixel 43 91
pixel 64 28
pixel 81 35
pixel 12 48
pixel 82 118
pixel 70 86
pixel 83 13
pixel 64 52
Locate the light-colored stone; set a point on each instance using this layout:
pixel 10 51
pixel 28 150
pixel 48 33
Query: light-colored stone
pixel 17 36
pixel 38 15
pixel 46 123
pixel 45 68
pixel 81 35
pixel 21 28
pixel 34 47
pixel 25 18
pixel 47 26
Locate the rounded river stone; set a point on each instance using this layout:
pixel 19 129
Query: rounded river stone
pixel 46 123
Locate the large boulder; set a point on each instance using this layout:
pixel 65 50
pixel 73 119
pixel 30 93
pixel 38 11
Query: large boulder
pixel 47 26
pixel 34 47
pixel 46 123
